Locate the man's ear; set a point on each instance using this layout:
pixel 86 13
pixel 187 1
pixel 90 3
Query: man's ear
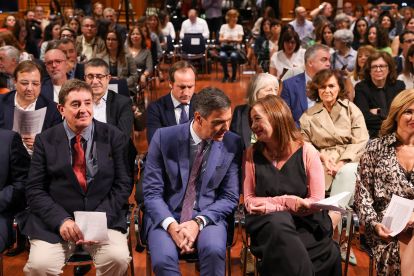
pixel 61 110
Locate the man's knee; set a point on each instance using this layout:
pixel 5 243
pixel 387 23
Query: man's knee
pixel 213 250
pixel 39 265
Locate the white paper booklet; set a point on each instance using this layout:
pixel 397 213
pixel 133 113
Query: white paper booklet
pixel 331 203
pixel 398 214
pixel 29 122
pixel 93 225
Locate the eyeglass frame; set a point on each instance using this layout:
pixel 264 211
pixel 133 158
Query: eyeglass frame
pixel 376 67
pixel 98 77
pixel 28 83
pixel 57 61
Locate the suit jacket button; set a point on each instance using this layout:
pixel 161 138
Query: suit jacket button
pixel 86 199
pixel 217 220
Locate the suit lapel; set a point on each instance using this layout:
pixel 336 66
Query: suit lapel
pixel 184 155
pixel 302 92
pixel 245 127
pixel 212 162
pixel 190 110
pixel 109 109
pixel 169 111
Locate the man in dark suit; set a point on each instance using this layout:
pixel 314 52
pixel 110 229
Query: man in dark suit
pixel 191 185
pixel 14 167
pixel 110 14
pixel 172 109
pixel 317 58
pixel 78 165
pixel 75 69
pixel 9 59
pixel 406 40
pixel 29 15
pixel 56 65
pixel 27 97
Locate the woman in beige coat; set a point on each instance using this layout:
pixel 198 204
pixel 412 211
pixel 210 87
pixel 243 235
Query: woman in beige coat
pixel 336 127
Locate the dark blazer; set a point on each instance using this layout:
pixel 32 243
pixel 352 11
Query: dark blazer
pixel 398 64
pixel 53 191
pixel 14 167
pixel 122 30
pixel 161 114
pixel 367 98
pixel 47 87
pixel 80 72
pixel 294 95
pixel 119 113
pixel 240 125
pixel 52 117
pixel 4 78
pixel 167 175
pixel 31 48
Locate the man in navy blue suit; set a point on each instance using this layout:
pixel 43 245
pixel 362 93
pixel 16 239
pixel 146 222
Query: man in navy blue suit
pixel 110 14
pixel 317 58
pixel 27 79
pixel 191 185
pixel 14 167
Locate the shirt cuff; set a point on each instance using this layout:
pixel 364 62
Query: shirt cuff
pixel 166 222
pixel 63 220
pixel 205 220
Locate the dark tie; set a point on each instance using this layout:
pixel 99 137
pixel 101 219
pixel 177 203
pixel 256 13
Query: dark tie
pixel 79 163
pixel 183 117
pixel 190 194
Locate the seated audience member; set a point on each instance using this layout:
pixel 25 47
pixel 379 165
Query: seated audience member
pixel 407 75
pixel 121 65
pixel 379 86
pixel 342 21
pixel 344 55
pixel 324 9
pixel 80 14
pixel 14 164
pixel 143 23
pixel 372 16
pixel 54 8
pixel 388 22
pixel 263 36
pixel 268 13
pixel 348 11
pixel 10 40
pixel 68 15
pixel 179 219
pixel 213 14
pixel 74 69
pixel 110 14
pixel 406 40
pixel 327 37
pixel 75 24
pixel 9 22
pixel 231 35
pixel 353 78
pixel 28 76
pixel 167 27
pixel 52 32
pixel 9 59
pixel 259 86
pixel 406 14
pixel 377 37
pixel 359 12
pixel 293 92
pixel 290 54
pixel 137 45
pixel 55 190
pixel 301 24
pixel 56 66
pixel 284 214
pixel 313 36
pixel 385 170
pixel 97 12
pixel 270 46
pixel 396 44
pixel 87 43
pixel 340 138
pixel 361 26
pixel 68 33
pixel 23 34
pixel 155 28
pixel 36 31
pixel 194 25
pixel 103 28
pixel 39 16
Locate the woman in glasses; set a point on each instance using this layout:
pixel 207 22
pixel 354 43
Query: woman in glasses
pixel 22 33
pixel 121 65
pixel 379 86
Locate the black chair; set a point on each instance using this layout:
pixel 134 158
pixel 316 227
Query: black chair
pixel 122 86
pixel 170 53
pixel 193 258
pixel 194 48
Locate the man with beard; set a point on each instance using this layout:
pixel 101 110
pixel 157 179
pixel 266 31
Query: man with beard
pixel 56 65
pixel 97 12
pixel 74 69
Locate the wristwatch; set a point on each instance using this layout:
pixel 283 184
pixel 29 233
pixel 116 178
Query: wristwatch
pixel 320 6
pixel 199 223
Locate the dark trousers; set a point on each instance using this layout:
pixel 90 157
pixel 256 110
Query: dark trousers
pixel 214 25
pixel 233 60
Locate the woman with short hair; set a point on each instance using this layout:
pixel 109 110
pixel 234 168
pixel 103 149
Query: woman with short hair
pixel 342 21
pixel 344 57
pixel 407 75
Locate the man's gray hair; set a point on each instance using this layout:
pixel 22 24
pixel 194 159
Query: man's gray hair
pixel 258 82
pixel 109 10
pixel 210 99
pixel 346 36
pixel 342 17
pixel 64 41
pixel 88 17
pixel 11 52
pixel 97 62
pixel 311 52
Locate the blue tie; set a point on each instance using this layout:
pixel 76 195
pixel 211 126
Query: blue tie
pixel 183 117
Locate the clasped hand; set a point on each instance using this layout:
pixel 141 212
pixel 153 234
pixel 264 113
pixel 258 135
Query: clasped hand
pixel 184 235
pixel 70 231
pixel 331 167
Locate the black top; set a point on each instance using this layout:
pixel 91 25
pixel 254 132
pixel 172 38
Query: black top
pixel 113 69
pixel 31 48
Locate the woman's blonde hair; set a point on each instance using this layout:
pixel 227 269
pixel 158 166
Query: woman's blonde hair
pixel 398 106
pixel 258 82
pixel 231 13
pixel 362 49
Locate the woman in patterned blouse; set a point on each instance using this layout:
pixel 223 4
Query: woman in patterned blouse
pixel 386 168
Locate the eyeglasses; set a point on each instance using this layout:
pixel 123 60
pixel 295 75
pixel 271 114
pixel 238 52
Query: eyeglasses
pixel 23 32
pixel 291 42
pixel 111 39
pixel 67 36
pixel 98 77
pixel 376 67
pixel 26 83
pixel 409 41
pixel 89 26
pixel 57 61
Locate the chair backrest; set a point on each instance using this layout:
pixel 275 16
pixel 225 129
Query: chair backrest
pixel 217 40
pixel 122 86
pixel 194 44
pixel 170 44
pixel 154 53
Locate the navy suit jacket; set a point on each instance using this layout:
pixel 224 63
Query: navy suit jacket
pixel 167 174
pixel 122 30
pixel 53 191
pixel 80 72
pixel 294 94
pixel 14 167
pixel 47 87
pixel 161 114
pixel 52 117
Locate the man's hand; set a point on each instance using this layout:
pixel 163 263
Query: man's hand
pixel 190 231
pixel 383 232
pixel 177 237
pixel 70 231
pixel 258 209
pixel 28 140
pixel 71 66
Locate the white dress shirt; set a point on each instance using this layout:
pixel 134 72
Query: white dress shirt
pixel 200 26
pixel 409 82
pixel 99 111
pixel 56 90
pixel 30 107
pixel 177 109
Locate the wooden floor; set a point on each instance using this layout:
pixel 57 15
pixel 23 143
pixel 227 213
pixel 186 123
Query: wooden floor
pixel 13 266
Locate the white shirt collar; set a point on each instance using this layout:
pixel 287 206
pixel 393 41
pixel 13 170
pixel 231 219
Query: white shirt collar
pixel 307 78
pixel 104 98
pixel 176 103
pixel 30 107
pixel 197 140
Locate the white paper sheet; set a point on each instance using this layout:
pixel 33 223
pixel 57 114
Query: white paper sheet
pixel 28 122
pixel 113 87
pixel 331 203
pixel 93 225
pixel 398 214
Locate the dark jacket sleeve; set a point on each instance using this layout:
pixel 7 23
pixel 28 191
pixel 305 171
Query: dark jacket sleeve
pixel 153 120
pixel 126 118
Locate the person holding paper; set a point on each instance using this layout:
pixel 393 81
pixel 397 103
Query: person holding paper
pixel 78 165
pixel 336 127
pixel 27 79
pixel 386 169
pixel 282 175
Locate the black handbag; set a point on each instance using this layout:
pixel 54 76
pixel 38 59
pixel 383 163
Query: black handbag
pixel 241 56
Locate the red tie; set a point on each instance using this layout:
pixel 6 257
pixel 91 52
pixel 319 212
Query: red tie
pixel 79 163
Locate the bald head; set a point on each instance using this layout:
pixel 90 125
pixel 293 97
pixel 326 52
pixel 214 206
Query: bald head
pixel 301 13
pixel 192 15
pixel 56 65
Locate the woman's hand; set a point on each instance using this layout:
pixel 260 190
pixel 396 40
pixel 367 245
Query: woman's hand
pixel 335 169
pixel 229 39
pixel 374 111
pixel 258 208
pixel 383 232
pixel 143 81
pixel 410 223
pixel 327 162
pixel 302 206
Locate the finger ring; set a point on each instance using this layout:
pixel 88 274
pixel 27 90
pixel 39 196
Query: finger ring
pixel 304 211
